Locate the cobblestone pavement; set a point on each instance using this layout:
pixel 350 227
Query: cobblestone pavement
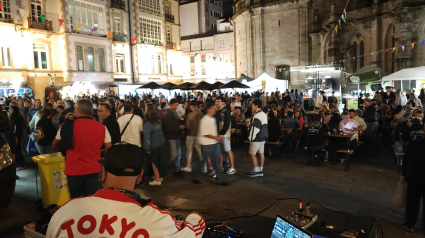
pixel 366 189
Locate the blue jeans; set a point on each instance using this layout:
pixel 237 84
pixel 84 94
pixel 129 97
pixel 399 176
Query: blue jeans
pixel 214 153
pixel 83 185
pixel 174 147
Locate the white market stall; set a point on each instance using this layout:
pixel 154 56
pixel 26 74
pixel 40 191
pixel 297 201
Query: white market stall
pixel 270 84
pixel 410 74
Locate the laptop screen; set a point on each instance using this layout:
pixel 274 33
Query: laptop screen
pixel 285 229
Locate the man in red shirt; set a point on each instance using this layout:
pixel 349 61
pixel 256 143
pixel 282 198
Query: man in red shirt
pixel 83 139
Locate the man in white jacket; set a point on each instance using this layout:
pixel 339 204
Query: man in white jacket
pixel 116 210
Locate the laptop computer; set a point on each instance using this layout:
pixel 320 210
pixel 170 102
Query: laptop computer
pixel 283 228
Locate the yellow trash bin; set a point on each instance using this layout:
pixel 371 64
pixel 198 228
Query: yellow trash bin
pixel 54 186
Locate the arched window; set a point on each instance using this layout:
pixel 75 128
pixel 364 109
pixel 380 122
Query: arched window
pixel 362 54
pixel 354 55
pixel 80 58
pixel 90 56
pixel 101 59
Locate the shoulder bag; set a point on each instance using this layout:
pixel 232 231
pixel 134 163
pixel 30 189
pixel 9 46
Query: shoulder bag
pixel 122 133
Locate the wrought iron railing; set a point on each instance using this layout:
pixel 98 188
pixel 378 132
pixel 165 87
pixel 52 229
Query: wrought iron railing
pixel 118 37
pixel 118 4
pixel 35 22
pixel 169 18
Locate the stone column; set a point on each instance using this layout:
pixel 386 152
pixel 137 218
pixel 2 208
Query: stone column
pixel 315 47
pixel 403 36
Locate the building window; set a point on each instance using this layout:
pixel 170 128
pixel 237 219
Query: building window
pixel 80 58
pixel 167 9
pixel 90 57
pixel 192 72
pixel 227 28
pixel 362 53
pixel 117 25
pixel 5 11
pixel 192 46
pixel 211 12
pixel 204 71
pixel 150 31
pixel 223 57
pixel 150 6
pixel 232 40
pixel 5 56
pixel 119 63
pixel 232 56
pixel 101 60
pixel 171 69
pixel 212 26
pixel 89 16
pixel 204 58
pixel 192 59
pixel 202 45
pixel 207 22
pixel 159 64
pixel 152 64
pixel 40 56
pixel 35 9
pixel 221 42
pixel 168 37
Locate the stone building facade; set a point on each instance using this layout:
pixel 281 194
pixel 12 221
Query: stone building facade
pixel 287 33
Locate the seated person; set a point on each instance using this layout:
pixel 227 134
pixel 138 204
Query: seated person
pixel 333 108
pixel 292 123
pixel 354 116
pixel 315 135
pixel 413 126
pixel 273 126
pixel 117 210
pixel 346 126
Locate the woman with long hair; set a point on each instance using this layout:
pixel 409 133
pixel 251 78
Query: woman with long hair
pixel 35 119
pixel 154 145
pixel 26 107
pixel 17 129
pixel 49 131
pixel 142 107
pixel 298 115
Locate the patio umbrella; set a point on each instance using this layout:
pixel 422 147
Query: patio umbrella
pixel 151 85
pixel 168 86
pixel 218 84
pixel 183 86
pixel 202 86
pixel 234 84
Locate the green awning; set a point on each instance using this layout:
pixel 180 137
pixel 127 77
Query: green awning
pixel 370 74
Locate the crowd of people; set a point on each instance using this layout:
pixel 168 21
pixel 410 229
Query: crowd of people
pixel 85 129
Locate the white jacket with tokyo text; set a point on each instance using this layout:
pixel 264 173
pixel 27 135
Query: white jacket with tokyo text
pixel 109 213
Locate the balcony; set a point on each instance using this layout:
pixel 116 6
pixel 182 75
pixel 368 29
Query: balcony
pixel 169 18
pixel 198 48
pixel 36 23
pixel 118 37
pixel 118 4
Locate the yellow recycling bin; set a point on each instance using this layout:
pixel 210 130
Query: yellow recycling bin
pixel 54 186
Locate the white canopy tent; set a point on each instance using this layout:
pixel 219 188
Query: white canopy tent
pixel 271 84
pixel 417 73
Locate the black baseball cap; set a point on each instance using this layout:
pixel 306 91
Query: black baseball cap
pixel 123 159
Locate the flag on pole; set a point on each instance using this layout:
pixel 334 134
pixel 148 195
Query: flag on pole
pixel 109 34
pixel 42 16
pixel 22 11
pixel 60 22
pixel 79 25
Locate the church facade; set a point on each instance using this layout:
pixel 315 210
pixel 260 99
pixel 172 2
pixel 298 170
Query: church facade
pixel 287 33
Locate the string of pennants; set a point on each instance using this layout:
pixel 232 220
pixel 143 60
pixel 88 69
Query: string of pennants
pixel 343 18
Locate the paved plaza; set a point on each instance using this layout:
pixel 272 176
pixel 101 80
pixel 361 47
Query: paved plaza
pixel 366 189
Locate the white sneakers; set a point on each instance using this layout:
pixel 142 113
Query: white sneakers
pixel 155 183
pixel 186 169
pixel 231 171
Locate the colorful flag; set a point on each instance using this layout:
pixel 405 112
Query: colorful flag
pixel 402 47
pixel 378 52
pixel 196 54
pixel 413 45
pixel 393 49
pixel 123 38
pixel 133 40
pixel 155 45
pixel 22 11
pixel 386 50
pixel 423 42
pixel 109 34
pixel 1 5
pixel 214 58
pixel 60 22
pixel 78 26
pixel 42 16
pixel 94 29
